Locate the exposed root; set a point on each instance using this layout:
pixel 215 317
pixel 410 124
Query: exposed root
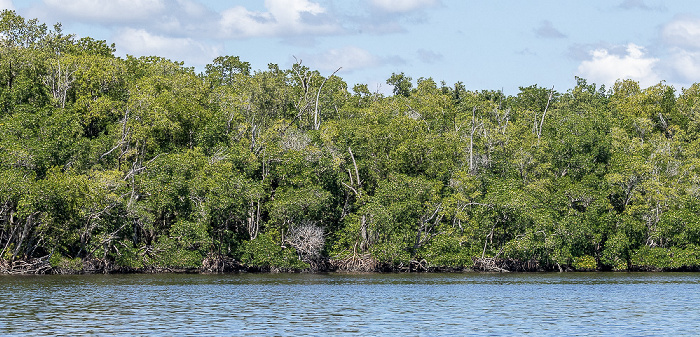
pixel 491 264
pixel 216 263
pixel 355 263
pixel 39 265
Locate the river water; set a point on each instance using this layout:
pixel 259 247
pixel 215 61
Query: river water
pixel 470 304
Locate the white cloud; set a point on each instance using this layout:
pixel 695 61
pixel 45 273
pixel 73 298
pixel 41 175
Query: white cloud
pixel 192 8
pixel 402 6
pixel 606 68
pixel 682 35
pixel 111 11
pixel 685 65
pixel 682 32
pixel 350 58
pixel 7 4
pixel 167 17
pixel 139 42
pixel 283 18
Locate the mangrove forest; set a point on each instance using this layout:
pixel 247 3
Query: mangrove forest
pixel 140 164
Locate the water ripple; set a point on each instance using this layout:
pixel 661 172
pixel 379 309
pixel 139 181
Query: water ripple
pixel 575 304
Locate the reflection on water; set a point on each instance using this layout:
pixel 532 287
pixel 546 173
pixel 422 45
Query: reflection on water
pixel 603 304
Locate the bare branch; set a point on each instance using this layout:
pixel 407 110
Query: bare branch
pixel 135 169
pixel 549 100
pixel 350 187
pixel 317 122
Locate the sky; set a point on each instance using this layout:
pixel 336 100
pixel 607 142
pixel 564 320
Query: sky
pixel 486 45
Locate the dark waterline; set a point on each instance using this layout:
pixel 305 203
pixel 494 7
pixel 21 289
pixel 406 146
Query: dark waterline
pixel 549 304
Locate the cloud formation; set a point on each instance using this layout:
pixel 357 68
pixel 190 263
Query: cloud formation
pixel 7 4
pixel 282 18
pixel 190 18
pixel 428 56
pixel 682 32
pixel 634 4
pixel 140 42
pixel 106 12
pixel 349 57
pixel 402 6
pixel 685 65
pixel 678 60
pixel 641 5
pixel 547 30
pixel 682 36
pixel 605 67
pixel 197 31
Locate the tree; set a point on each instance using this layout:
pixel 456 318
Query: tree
pixel 401 83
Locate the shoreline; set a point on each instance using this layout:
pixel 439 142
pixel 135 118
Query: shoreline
pixel 41 266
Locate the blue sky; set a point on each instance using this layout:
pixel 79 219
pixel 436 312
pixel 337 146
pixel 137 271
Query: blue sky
pixel 484 44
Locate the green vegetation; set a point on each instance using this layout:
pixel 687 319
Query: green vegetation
pixel 144 164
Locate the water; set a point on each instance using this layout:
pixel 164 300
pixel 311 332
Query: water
pixel 551 304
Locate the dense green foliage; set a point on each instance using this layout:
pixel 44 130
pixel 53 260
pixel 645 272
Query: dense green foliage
pixel 142 162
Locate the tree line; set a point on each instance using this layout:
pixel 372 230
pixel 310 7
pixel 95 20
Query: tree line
pixel 142 163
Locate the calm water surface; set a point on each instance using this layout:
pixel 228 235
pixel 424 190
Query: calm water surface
pixel 551 304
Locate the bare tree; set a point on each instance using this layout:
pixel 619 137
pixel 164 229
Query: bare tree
pixel 474 126
pixel 308 239
pixel 59 80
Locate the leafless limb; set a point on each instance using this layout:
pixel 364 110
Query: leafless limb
pixel 317 120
